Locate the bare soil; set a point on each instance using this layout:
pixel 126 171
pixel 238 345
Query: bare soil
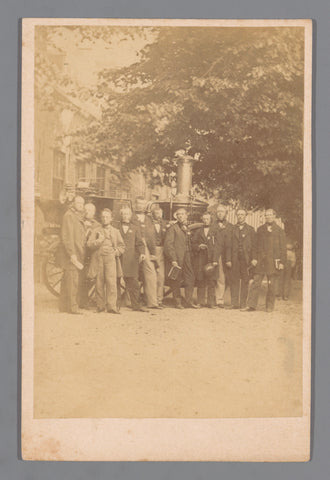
pixel 170 363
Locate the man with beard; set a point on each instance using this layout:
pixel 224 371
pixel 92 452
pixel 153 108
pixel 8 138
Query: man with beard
pixel 143 221
pixel 134 254
pixel 88 273
pixel 73 238
pixel 205 259
pixel 160 227
pixel 271 258
pixel 225 230
pixel 177 250
pixel 243 259
pixel 107 244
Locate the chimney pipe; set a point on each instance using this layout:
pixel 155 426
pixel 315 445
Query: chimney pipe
pixel 184 176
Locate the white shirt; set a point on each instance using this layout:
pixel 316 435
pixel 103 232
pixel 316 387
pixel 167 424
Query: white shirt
pixel 206 231
pixel 141 217
pixel 125 228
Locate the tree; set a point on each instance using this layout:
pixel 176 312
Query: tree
pixel 231 96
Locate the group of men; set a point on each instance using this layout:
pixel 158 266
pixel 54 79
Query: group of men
pixel 142 248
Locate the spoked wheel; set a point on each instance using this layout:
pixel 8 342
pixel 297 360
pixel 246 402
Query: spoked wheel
pixel 52 275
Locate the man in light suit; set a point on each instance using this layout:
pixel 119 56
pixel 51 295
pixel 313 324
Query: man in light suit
pixel 107 244
pixel 160 228
pixel 225 230
pixel 143 221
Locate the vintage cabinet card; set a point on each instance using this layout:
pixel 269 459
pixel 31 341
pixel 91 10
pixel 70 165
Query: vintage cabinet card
pixel 166 239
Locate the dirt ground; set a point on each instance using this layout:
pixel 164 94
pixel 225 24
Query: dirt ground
pixel 169 363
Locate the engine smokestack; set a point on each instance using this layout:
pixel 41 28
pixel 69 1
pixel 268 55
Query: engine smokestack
pixel 184 176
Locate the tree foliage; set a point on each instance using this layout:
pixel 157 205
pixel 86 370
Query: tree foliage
pixel 232 97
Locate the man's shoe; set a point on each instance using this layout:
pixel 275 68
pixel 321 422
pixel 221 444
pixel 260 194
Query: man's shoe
pixel 285 298
pixel 212 306
pixel 232 307
pixel 269 310
pixel 156 307
pixel 99 310
pixel 140 309
pixel 179 305
pixel 248 309
pixel 220 305
pixel 112 310
pixel 192 305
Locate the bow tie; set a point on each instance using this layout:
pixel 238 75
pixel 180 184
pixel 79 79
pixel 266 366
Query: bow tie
pixel 125 224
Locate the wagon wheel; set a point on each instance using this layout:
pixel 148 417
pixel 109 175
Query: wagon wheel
pixel 52 275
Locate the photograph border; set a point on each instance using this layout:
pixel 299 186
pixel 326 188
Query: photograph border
pixel 248 439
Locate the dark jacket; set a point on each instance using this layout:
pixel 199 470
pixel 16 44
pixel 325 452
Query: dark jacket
pixel 113 246
pixel 177 243
pixel 147 232
pixel 73 236
pixel 201 257
pixel 224 238
pixel 249 243
pixel 271 245
pixel 162 232
pixel 134 247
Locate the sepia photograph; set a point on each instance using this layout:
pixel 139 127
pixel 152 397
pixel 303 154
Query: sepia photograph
pixel 166 239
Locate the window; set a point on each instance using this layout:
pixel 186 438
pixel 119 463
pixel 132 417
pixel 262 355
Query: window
pixel 100 177
pixel 58 172
pixel 80 171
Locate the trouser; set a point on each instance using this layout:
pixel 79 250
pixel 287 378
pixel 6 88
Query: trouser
pixel 188 277
pixel 69 289
pixel 206 287
pixel 240 282
pixel 133 290
pixel 222 283
pixel 160 273
pixel 106 282
pixel 255 290
pixel 149 280
pixel 285 280
pixel 85 284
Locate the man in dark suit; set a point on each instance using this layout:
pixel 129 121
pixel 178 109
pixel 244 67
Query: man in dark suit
pixel 144 222
pixel 134 254
pixel 204 247
pixel 243 258
pixel 177 250
pixel 225 230
pixel 73 238
pixel 271 257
